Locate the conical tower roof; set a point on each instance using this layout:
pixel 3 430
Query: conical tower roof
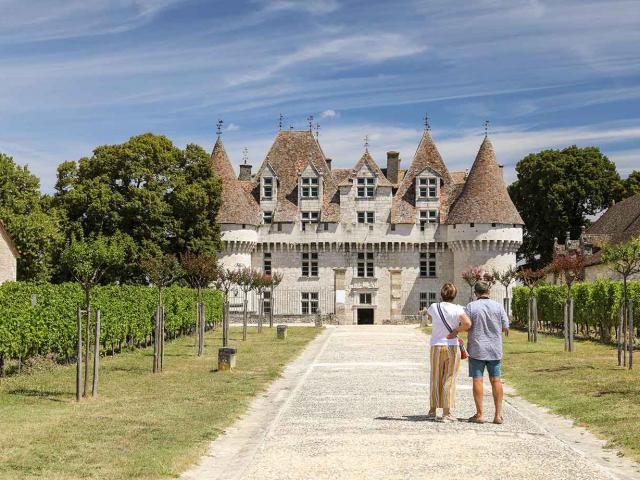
pixel 484 198
pixel 238 206
pixel 426 156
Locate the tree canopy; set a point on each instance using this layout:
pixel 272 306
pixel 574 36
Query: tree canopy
pixel 33 226
pixel 632 184
pixel 165 199
pixel 556 191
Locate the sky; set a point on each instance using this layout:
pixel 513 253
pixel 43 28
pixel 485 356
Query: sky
pixel 76 74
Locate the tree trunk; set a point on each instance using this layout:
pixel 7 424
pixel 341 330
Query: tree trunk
pixel 79 356
pixel 619 333
pixel 202 329
pixel 87 348
pixel 260 310
pixel 630 315
pixel 271 304
pixel 156 329
pixel 245 320
pixel 534 308
pixel 565 331
pixel 571 326
pixel 225 323
pixel 96 357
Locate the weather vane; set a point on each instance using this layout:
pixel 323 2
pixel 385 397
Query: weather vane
pixel 280 119
pixel 427 125
pixel 486 127
pixel 245 155
pixel 219 127
pixel 290 127
pixel 317 130
pixel 310 120
pixel 366 143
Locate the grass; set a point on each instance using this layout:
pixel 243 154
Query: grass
pixel 585 386
pixel 142 426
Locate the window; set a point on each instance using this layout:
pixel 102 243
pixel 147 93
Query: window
pixel 366 217
pixel 267 188
pixel 393 227
pixel 427 299
pixel 267 217
pixel 472 225
pixel 326 226
pixel 279 227
pixel 266 302
pixel 365 264
pixel 428 216
pixel 309 217
pixel 310 187
pixel 427 264
pixel 310 264
pixel 309 302
pixel 266 263
pixel 365 299
pixel 366 187
pixel 428 187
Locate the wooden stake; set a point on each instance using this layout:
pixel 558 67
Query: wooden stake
pixel 96 357
pixel 79 357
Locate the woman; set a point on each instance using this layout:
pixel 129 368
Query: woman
pixel 445 353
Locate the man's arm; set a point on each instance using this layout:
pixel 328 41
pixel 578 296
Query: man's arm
pixel 504 319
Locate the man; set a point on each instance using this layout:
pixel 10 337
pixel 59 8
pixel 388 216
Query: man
pixel 484 344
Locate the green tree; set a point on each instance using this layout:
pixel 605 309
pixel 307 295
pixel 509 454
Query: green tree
pixel 158 195
pixel 556 191
pixel 33 226
pixel 88 261
pixel 632 184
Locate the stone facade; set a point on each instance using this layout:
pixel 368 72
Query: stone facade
pixel 8 256
pixel 345 252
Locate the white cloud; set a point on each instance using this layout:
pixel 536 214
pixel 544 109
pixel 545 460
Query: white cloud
pixel 232 127
pixel 315 7
pixel 330 113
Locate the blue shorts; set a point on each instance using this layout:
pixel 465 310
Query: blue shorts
pixel 476 367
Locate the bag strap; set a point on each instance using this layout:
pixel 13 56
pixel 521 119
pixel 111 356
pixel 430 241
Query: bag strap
pixel 442 318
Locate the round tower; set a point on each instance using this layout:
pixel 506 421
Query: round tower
pixel 484 229
pixel 239 216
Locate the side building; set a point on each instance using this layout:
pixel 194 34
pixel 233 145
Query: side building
pixel 366 244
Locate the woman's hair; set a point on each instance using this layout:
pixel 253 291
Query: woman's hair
pixel 448 292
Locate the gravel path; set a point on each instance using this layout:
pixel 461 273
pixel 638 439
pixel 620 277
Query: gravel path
pixel 354 404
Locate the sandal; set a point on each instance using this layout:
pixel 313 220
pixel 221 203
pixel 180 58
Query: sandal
pixel 449 419
pixel 475 419
pixel 498 420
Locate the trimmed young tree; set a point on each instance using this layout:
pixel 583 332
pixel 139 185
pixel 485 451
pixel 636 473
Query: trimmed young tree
pixel 276 279
pixel 569 268
pixel 262 283
pixel 87 261
pixel 161 270
pixel 199 271
pixel 505 278
pixel 472 275
pixel 531 278
pixel 226 281
pixel 247 280
pixel 624 258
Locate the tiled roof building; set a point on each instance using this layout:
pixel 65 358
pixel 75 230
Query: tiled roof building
pixel 366 243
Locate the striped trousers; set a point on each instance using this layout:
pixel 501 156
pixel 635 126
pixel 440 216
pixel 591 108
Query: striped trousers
pixel 445 362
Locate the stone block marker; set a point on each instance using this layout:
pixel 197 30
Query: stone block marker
pixel 226 358
pixel 282 332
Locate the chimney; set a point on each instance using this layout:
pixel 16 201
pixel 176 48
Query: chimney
pixel 393 166
pixel 328 160
pixel 501 171
pixel 245 172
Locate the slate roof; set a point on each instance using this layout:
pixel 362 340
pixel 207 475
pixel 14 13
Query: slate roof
pixel 368 160
pixel 427 156
pixel 484 197
pixel 618 224
pixel 238 206
pixel 289 155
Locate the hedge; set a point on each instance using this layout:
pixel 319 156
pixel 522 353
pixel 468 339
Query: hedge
pixel 49 327
pixel 596 304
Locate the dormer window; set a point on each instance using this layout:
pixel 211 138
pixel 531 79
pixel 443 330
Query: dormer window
pixel 267 217
pixel 267 188
pixel 309 217
pixel 427 188
pixel 310 187
pixel 366 187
